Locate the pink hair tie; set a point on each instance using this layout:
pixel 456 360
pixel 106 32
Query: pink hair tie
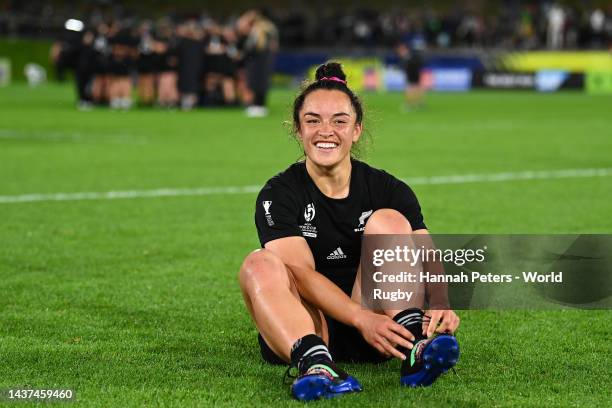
pixel 333 79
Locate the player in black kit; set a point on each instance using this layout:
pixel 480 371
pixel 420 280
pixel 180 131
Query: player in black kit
pixel 303 288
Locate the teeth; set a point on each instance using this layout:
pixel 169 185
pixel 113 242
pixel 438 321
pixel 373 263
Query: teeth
pixel 326 145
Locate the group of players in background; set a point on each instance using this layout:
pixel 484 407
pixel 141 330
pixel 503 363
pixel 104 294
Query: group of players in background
pixel 189 64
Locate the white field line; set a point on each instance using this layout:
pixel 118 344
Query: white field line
pixel 509 176
pixel 77 137
pixel 204 191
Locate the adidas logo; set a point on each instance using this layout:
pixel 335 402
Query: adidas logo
pixel 337 254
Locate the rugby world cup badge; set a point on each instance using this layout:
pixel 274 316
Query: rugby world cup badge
pixel 266 207
pixel 309 230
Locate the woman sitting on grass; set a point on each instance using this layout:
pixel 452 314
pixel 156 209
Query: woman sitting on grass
pixel 303 288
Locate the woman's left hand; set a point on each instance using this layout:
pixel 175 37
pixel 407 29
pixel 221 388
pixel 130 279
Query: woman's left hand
pixel 448 320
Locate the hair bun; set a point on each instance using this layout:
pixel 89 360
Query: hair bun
pixel 330 70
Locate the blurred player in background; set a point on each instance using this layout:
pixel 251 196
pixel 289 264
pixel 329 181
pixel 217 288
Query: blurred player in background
pixel 190 49
pixel 74 52
pixel 101 53
pixel 84 70
pixel 219 68
pixel 145 64
pixel 260 46
pixel 411 62
pixel 121 65
pixel 166 64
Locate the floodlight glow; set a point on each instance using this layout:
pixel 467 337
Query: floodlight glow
pixel 74 25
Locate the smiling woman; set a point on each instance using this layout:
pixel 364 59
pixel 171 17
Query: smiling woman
pixel 327 131
pixel 330 77
pixel 303 288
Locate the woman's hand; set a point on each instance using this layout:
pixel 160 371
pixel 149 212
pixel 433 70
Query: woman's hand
pixel 448 320
pixel 382 333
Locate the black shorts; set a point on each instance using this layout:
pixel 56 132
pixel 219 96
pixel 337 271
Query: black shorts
pixel 219 64
pixel 145 64
pixel 413 76
pixel 120 67
pixel 345 344
pixel 101 65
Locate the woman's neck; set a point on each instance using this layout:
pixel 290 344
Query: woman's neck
pixel 334 182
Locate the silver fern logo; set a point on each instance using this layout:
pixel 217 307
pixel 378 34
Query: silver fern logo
pixel 363 217
pixel 362 220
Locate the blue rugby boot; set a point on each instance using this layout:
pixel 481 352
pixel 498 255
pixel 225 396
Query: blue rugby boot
pixel 429 359
pixel 318 377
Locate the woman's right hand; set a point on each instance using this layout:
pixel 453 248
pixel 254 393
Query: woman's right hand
pixel 382 333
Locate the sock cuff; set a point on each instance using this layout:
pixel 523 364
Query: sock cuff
pixel 307 346
pixel 412 320
pixel 409 316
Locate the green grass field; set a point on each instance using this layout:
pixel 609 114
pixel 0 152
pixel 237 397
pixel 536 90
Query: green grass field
pixel 134 302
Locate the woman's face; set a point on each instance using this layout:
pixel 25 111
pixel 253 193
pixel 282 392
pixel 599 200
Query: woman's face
pixel 328 127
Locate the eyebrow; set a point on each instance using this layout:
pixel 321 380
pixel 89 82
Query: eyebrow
pixel 334 115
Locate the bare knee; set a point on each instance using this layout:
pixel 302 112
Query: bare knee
pixel 262 269
pixel 387 221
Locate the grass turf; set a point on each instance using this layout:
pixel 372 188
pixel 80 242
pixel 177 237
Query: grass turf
pixel 135 302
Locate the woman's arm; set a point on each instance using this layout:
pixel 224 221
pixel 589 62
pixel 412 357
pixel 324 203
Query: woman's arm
pixel 437 296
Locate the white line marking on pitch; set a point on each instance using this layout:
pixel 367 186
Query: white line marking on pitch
pixel 509 176
pixel 203 191
pixel 59 136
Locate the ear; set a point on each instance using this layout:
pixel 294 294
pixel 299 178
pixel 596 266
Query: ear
pixel 357 132
pixel 298 136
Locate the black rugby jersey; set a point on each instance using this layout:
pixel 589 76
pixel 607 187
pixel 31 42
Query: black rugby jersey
pixel 290 204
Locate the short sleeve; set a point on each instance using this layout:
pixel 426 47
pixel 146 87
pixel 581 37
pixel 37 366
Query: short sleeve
pixel 276 213
pixel 403 199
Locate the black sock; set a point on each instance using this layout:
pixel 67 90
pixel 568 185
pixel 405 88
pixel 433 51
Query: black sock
pixel 260 99
pixel 308 346
pixel 412 320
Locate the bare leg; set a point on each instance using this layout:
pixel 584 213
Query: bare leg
pixel 146 88
pixel 386 221
pixel 273 301
pixel 211 82
pixel 126 92
pixel 414 94
pixel 125 87
pixel 100 88
pixel 229 90
pixel 244 93
pixel 113 92
pixel 168 92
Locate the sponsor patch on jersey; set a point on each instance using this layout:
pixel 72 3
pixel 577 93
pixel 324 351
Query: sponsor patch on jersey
pixel 337 254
